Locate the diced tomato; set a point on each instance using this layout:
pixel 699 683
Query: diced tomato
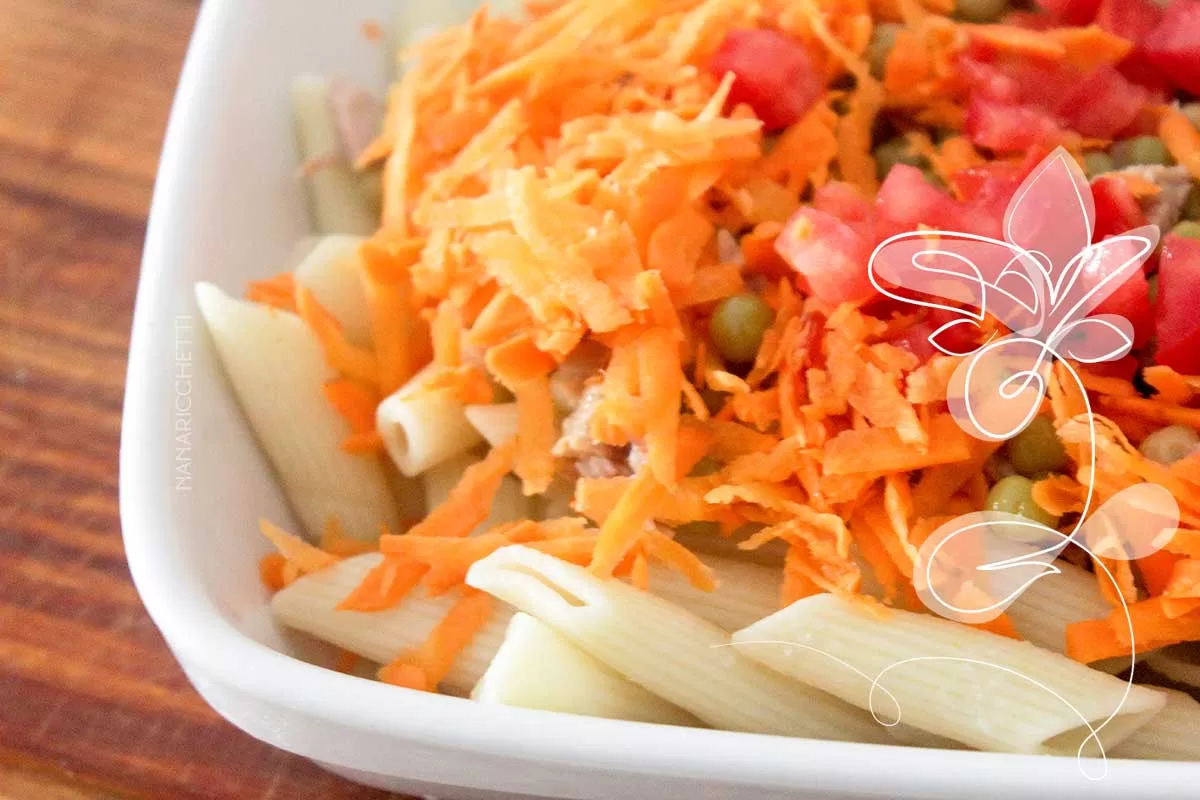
pixel 956 338
pixel 1071 12
pixel 1129 19
pixel 1117 211
pixel 1133 20
pixel 830 254
pixel 1008 128
pixel 915 339
pixel 1173 46
pixel 1177 321
pixel 1103 104
pixel 1123 368
pixel 1132 301
pixel 986 79
pixel 907 200
pixel 774 75
pixel 842 200
pixel 986 192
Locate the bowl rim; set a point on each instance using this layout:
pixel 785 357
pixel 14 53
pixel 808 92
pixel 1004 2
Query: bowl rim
pixel 208 645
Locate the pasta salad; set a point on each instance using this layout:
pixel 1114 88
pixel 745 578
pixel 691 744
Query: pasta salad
pixel 586 399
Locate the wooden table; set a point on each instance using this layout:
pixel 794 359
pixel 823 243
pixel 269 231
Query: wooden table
pixel 91 703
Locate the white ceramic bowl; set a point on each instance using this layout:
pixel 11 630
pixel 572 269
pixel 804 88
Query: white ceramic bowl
pixel 193 484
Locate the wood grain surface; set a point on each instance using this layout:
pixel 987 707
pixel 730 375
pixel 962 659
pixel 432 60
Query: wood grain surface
pixel 92 705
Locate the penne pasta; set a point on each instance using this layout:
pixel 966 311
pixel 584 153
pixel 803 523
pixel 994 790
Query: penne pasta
pixel 745 593
pixel 1180 663
pixel 665 649
pixel 276 368
pixel 510 503
pixel 1045 608
pixel 336 196
pixel 975 687
pixel 538 668
pixel 422 428
pixel 1171 735
pixel 496 423
pixel 332 271
pixel 309 604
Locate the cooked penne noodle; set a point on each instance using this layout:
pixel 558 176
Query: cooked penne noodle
pixel 936 675
pixel 665 649
pixel 538 668
pixel 1170 735
pixel 1180 663
pixel 509 504
pixel 421 428
pixel 332 271
pixel 745 593
pixel 310 605
pixel 1043 611
pixel 1173 734
pixel 276 368
pixel 301 250
pixel 495 423
pixel 335 193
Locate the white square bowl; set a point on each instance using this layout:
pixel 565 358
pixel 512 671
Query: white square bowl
pixel 227 208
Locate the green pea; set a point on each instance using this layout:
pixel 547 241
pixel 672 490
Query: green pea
pixel 1036 449
pixel 883 39
pixel 980 10
pixel 1140 150
pixel 1192 112
pixel 896 151
pixel 1188 228
pixel 737 326
pixel 1097 164
pixel 1014 495
pixel 1170 444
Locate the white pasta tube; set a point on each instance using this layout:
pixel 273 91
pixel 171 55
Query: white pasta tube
pixel 1173 734
pixel 336 197
pixel 309 605
pixel 496 423
pixel 509 504
pixel 975 687
pixel 421 429
pixel 665 649
pixel 745 593
pixel 1180 663
pixel 300 251
pixel 1047 606
pixel 538 668
pixel 332 271
pixel 276 367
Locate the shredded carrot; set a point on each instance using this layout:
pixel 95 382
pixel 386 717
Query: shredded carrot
pixel 303 555
pixel 1153 627
pixel 351 361
pixel 277 292
pixel 1156 570
pixel 469 502
pixel 1171 387
pixel 424 669
pixel 882 450
pixel 1182 140
pixel 627 522
pixel 271 571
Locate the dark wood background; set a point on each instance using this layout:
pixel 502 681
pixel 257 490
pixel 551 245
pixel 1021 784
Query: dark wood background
pixel 91 703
